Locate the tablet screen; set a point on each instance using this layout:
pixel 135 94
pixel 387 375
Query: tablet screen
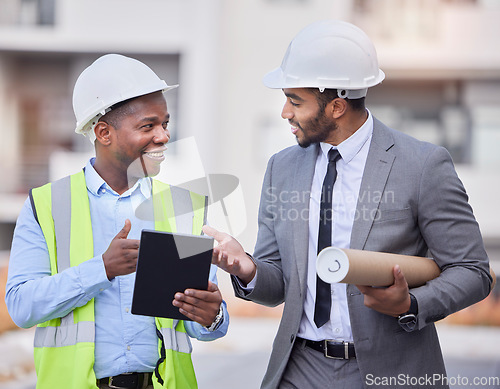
pixel 169 263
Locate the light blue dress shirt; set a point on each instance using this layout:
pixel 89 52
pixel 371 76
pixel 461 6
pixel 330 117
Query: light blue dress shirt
pixel 123 342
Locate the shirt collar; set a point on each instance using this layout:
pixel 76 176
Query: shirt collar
pixel 352 145
pixel 95 182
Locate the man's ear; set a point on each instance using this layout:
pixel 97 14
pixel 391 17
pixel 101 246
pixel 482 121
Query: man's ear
pixel 102 133
pixel 338 107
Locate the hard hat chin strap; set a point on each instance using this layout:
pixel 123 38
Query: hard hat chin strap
pixel 88 129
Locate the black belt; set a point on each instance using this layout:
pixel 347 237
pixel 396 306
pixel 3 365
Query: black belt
pixel 331 348
pixel 127 381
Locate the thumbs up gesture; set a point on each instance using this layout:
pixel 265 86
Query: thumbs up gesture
pixel 121 256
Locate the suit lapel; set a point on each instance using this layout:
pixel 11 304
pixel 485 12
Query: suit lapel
pixel 378 166
pixel 302 182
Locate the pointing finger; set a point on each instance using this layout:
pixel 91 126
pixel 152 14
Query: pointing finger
pixel 217 235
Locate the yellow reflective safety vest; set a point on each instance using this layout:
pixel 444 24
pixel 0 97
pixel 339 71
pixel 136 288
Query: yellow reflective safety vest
pixel 64 347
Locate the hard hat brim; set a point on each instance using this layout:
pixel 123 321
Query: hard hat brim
pixel 276 79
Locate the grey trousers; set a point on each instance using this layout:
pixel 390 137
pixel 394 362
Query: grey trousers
pixel 310 369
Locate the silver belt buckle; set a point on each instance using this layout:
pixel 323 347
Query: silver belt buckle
pixel 110 384
pixel 346 349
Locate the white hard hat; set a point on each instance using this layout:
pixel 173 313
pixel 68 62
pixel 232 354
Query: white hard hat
pixel 110 79
pixel 329 54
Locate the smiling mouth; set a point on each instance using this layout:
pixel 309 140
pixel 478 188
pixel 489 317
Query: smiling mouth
pixel 294 127
pixel 155 154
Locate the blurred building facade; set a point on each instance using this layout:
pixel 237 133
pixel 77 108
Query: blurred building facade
pixel 440 58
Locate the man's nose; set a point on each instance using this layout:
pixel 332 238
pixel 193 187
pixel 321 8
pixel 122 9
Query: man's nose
pixel 162 135
pixel 286 112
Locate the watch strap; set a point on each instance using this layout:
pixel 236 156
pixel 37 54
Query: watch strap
pixel 217 321
pixel 408 320
pixel 413 305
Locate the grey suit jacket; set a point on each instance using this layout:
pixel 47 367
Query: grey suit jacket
pixel 411 202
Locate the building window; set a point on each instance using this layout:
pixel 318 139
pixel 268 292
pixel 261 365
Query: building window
pixel 429 110
pixel 28 12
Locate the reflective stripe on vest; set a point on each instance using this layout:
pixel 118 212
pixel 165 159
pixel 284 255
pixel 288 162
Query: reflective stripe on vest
pixel 65 202
pixel 174 341
pixel 67 334
pixel 61 213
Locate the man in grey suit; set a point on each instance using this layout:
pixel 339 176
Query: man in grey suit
pixel 382 191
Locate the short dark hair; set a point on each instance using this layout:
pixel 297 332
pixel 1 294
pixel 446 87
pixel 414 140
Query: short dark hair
pixel 117 112
pixel 328 95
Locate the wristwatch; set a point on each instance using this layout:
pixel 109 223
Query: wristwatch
pixel 218 319
pixel 408 320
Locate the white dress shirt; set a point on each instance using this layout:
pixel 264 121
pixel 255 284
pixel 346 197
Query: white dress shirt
pixel 350 167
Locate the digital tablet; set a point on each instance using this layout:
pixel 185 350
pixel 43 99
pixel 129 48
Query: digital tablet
pixel 169 263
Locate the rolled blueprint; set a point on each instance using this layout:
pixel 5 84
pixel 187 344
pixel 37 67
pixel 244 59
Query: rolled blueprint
pixel 371 268
pixel 360 267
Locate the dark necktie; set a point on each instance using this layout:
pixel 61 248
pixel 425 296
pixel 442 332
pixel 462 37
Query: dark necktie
pixel 323 290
